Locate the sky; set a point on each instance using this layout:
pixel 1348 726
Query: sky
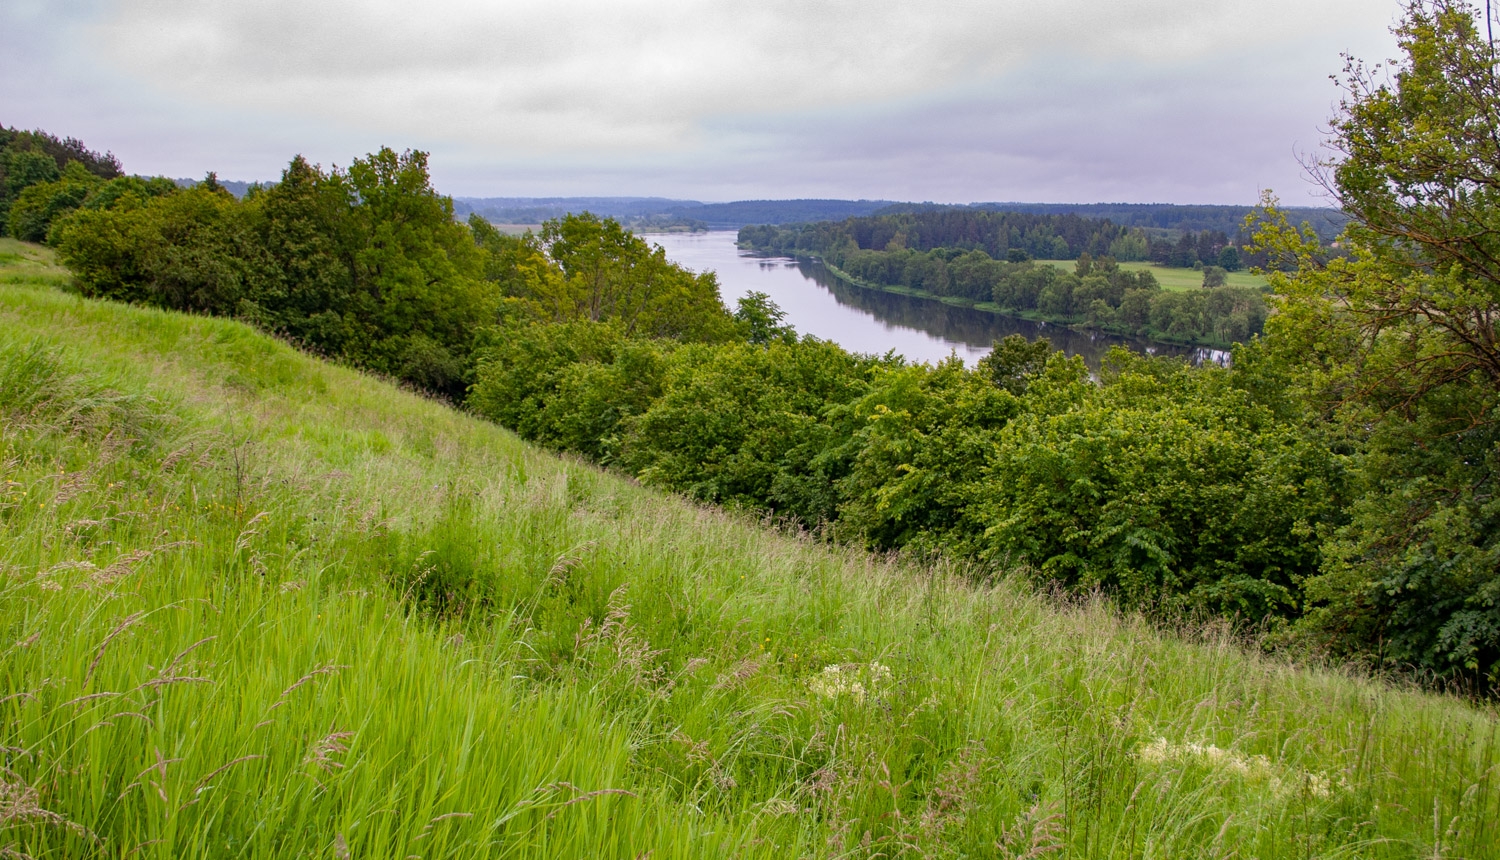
pixel 950 101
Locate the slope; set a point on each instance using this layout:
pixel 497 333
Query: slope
pixel 256 605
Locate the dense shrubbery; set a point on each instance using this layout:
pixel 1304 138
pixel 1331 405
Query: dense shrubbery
pixel 366 264
pixel 42 177
pixel 1166 485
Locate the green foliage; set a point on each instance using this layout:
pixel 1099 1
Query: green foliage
pixel 582 267
pixel 762 319
pixel 38 206
pixel 29 158
pixel 1014 361
pixel 189 251
pixel 744 424
pixel 919 439
pixel 1165 485
pixel 1394 347
pixel 365 264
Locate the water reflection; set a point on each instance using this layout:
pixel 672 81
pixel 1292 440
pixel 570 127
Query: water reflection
pixel 873 321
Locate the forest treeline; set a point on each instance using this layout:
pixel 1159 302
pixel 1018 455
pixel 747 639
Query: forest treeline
pixel 1337 484
pixel 1181 217
pixel 1012 236
pixel 988 258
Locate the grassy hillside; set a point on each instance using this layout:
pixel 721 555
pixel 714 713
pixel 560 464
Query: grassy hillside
pixel 255 605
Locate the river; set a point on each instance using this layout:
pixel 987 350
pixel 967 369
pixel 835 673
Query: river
pixel 874 321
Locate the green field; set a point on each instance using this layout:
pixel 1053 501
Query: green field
pixel 1175 279
pixel 257 605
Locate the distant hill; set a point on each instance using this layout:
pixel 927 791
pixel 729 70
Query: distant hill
pixel 532 210
pixel 238 188
pixel 739 213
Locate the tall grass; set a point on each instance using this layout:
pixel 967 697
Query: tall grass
pixel 258 606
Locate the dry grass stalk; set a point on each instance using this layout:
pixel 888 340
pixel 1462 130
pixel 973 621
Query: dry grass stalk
pixel 20 804
pixel 323 753
pixel 125 624
pixel 558 573
pixel 202 783
pixel 326 669
pixel 741 672
pixel 631 656
pixel 428 828
pixel 249 531
pixel 1037 832
pixel 955 794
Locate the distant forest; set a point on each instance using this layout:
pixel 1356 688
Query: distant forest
pixel 1163 218
pixel 652 211
pixel 1016 236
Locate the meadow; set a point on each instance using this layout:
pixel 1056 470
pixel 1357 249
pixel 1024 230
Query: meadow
pixel 1176 279
pixel 258 605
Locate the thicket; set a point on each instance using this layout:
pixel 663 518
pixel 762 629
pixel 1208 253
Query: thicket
pixel 42 176
pixel 367 265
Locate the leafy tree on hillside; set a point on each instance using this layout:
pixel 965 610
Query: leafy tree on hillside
pixel 30 158
pixel 35 208
pixel 601 271
pixel 762 318
pixel 1397 344
pixel 416 269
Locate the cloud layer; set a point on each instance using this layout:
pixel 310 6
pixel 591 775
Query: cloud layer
pixel 956 100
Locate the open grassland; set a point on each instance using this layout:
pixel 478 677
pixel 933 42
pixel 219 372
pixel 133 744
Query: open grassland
pixel 27 263
pixel 1174 279
pixel 256 605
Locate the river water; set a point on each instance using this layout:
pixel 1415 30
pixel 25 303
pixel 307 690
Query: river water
pixel 873 321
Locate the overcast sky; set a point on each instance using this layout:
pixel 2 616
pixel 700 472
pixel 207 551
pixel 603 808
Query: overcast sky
pixel 1183 101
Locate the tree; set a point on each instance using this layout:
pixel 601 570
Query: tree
pixel 34 210
pixel 1229 259
pixel 20 170
pixel 608 273
pixel 188 251
pixel 419 271
pixel 1396 343
pixel 1014 360
pixel 762 318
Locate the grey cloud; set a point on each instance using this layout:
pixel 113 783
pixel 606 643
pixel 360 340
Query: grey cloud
pixel 957 101
pixel 583 75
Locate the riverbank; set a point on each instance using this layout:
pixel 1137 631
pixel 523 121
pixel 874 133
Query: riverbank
pixel 1072 323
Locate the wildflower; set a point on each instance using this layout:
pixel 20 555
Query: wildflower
pixel 836 680
pixel 1250 769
